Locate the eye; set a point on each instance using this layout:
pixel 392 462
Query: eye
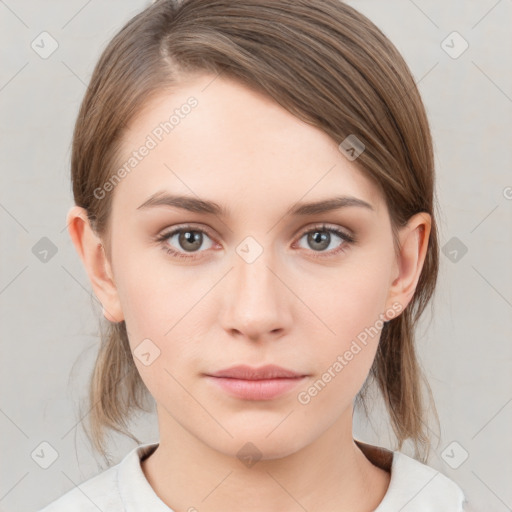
pixel 188 239
pixel 321 237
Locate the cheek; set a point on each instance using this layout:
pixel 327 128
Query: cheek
pixel 163 310
pixel 345 353
pixel 153 293
pixel 350 305
pixel 351 300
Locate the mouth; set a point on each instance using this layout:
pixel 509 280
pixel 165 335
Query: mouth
pixel 264 383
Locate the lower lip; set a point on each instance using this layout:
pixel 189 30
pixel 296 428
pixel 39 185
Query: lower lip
pixel 265 389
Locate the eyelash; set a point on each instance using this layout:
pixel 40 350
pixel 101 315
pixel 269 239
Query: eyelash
pixel 348 239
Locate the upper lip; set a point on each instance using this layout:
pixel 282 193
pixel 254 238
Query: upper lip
pixel 245 372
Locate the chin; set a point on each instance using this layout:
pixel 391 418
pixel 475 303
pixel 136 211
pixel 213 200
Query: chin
pixel 256 444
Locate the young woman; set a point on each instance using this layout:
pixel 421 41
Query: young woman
pixel 254 189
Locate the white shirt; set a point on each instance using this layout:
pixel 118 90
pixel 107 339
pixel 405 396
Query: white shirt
pixel 413 487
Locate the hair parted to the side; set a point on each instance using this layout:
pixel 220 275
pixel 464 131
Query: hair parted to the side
pixel 327 64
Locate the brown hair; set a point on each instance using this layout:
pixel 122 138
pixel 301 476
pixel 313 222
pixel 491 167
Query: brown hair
pixel 327 64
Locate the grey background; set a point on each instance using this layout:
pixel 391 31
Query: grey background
pixel 49 321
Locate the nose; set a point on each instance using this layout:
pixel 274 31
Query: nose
pixel 256 303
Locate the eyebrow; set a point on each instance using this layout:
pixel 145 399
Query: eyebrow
pixel 197 205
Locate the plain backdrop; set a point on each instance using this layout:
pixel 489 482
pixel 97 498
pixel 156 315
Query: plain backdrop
pixel 49 322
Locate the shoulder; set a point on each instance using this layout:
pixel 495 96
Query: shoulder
pixel 97 493
pixel 414 486
pixel 108 490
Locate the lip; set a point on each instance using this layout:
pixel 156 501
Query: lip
pixel 263 383
pixel 269 371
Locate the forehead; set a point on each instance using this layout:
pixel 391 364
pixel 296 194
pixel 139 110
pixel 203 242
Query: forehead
pixel 215 138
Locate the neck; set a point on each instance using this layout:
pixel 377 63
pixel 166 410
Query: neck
pixel 329 474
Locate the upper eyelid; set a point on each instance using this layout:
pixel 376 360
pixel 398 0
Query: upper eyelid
pixel 172 231
pixel 319 225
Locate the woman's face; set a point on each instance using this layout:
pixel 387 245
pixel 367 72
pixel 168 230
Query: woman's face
pixel 247 285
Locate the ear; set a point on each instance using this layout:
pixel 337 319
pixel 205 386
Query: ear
pixel 413 239
pixel 92 253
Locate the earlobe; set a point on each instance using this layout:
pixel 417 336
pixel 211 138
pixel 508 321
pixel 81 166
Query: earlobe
pixel 413 249
pixel 90 249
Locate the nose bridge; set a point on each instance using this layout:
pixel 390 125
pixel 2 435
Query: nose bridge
pixel 251 272
pixel 254 301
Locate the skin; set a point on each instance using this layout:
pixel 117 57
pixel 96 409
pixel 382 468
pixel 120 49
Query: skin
pixel 245 152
